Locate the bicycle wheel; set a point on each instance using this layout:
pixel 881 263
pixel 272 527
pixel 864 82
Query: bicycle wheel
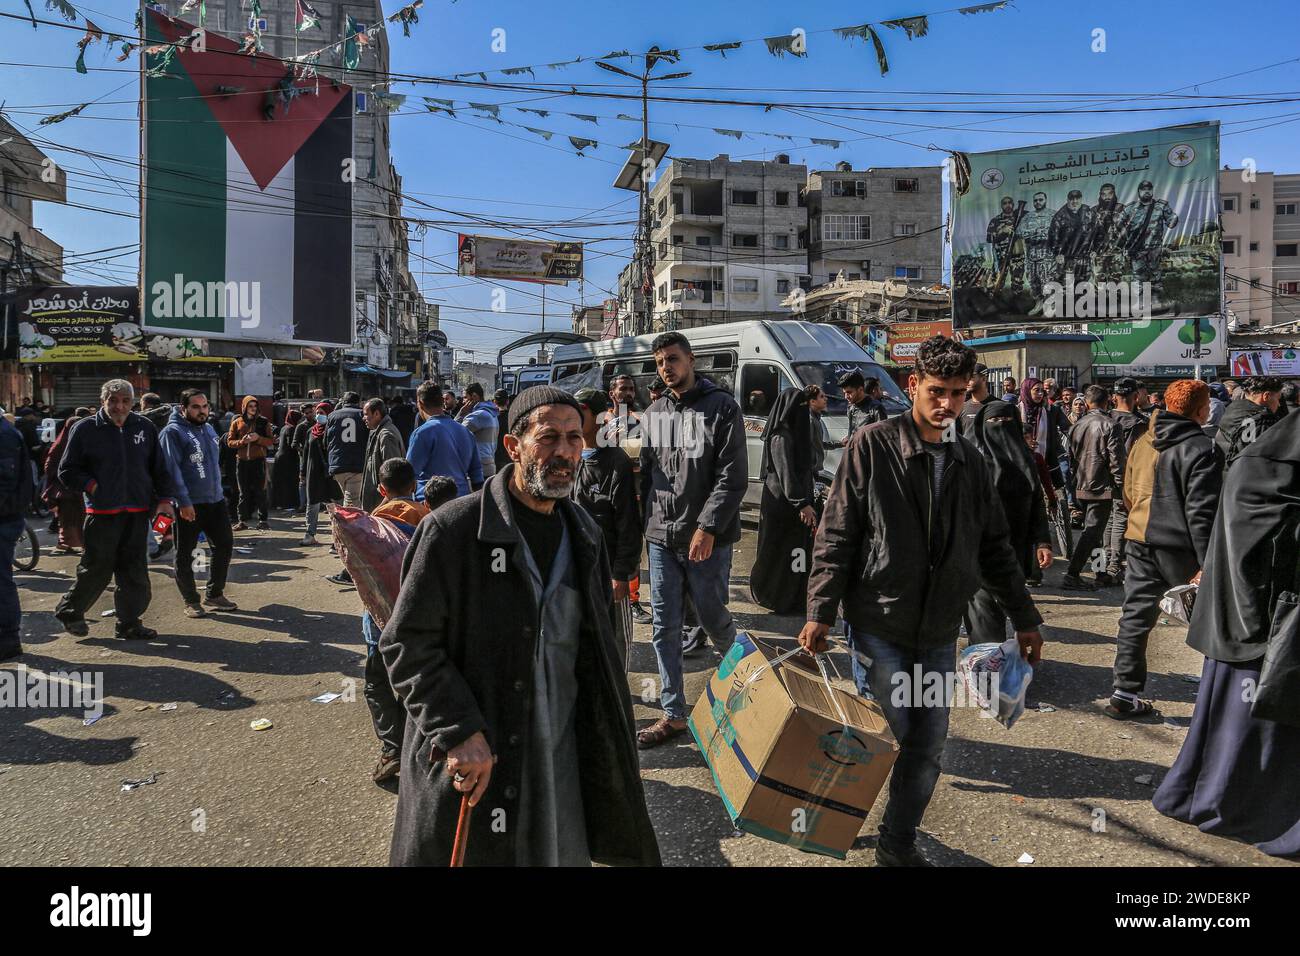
pixel 27 551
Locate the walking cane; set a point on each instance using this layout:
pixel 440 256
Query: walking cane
pixel 462 832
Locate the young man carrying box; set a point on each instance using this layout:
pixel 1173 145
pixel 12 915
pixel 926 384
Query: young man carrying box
pixel 911 530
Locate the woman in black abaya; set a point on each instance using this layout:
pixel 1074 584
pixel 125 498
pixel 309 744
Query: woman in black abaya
pixel 1236 774
pixel 286 467
pixel 996 431
pixel 779 578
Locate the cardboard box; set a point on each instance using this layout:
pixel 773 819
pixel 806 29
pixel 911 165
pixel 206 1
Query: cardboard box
pixel 787 765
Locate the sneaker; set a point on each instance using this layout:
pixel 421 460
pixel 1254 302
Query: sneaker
pixel 695 642
pixel 640 614
pixel 1105 580
pixel 76 626
pixel 308 539
pixel 388 767
pixel 1072 582
pixel 136 632
pixel 239 526
pixel 195 610
pixel 220 602
pixel 341 578
pixel 264 526
pixel 162 549
pixel 886 856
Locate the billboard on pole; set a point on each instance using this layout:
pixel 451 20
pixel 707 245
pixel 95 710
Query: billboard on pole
pixel 523 260
pixel 1162 347
pixel 246 193
pixel 1110 228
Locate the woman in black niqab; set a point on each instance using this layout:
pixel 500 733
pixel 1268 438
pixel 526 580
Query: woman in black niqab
pixel 779 579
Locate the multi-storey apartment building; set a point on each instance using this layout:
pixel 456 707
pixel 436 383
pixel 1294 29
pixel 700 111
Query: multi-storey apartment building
pixel 728 239
pixel 1261 246
pixel 882 223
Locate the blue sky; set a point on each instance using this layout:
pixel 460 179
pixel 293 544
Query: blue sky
pixel 471 164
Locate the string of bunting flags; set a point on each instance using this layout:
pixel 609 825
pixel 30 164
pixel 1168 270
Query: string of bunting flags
pixel 392 102
pixel 355 39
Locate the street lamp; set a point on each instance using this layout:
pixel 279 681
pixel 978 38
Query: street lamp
pixel 643 216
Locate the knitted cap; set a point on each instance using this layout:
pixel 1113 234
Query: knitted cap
pixel 536 397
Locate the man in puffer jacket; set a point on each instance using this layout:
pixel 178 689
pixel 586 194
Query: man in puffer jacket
pixel 694 474
pixel 114 458
pixel 1171 485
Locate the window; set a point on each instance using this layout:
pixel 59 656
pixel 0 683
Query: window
pixel 1284 209
pixel 1254 204
pixel 703 240
pixel 1229 247
pixel 1231 203
pixel 663 292
pixel 907 272
pixel 848 187
pixel 678 240
pixel 10 192
pixel 739 284
pixel 260 24
pixel 781 241
pixel 744 240
pixel 907 186
pixel 1286 250
pixel 677 202
pixel 782 286
pixel 759 387
pixel 663 206
pixel 744 197
pixel 1254 247
pixel 781 198
pixel 1229 284
pixel 846 228
pixel 905 229
pixel 1288 288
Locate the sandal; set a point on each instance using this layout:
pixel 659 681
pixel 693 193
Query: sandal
pixel 661 731
pixel 1133 710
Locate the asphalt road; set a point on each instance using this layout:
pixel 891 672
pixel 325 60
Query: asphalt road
pixel 300 793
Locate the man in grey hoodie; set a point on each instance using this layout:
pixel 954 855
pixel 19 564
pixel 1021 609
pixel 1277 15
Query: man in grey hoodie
pixel 694 473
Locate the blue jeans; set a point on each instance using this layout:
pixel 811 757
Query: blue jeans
pixel 920 731
pixel 11 613
pixel 708 583
pixel 313 516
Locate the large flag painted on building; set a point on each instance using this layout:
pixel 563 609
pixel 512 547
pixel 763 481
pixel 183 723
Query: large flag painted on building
pixel 247 197
pixel 1114 228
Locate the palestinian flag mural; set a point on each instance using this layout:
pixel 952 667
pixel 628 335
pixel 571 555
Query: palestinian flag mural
pixel 247 196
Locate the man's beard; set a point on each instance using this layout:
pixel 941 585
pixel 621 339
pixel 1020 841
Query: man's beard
pixel 203 420
pixel 535 475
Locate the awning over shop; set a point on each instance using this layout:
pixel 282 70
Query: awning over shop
pixel 394 374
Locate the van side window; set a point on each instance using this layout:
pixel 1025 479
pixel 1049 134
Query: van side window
pixel 719 368
pixel 760 383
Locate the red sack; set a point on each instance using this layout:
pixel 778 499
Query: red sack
pixel 372 550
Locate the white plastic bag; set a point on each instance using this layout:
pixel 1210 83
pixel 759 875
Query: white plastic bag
pixel 1178 602
pixel 997 677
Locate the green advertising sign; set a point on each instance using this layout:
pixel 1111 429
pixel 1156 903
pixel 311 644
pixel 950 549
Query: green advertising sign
pixel 1158 342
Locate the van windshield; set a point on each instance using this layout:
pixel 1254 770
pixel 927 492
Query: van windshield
pixel 825 374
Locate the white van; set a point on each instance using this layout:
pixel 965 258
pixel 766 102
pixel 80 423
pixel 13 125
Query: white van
pixel 755 361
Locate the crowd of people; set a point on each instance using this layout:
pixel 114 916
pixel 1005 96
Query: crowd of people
pixel 499 675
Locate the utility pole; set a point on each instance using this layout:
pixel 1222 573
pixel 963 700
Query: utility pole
pixel 644 217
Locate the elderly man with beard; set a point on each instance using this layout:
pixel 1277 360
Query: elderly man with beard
pixel 503 650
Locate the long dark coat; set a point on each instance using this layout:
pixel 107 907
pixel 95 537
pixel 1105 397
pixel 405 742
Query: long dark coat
pixel 460 650
pixel 996 431
pixel 788 481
